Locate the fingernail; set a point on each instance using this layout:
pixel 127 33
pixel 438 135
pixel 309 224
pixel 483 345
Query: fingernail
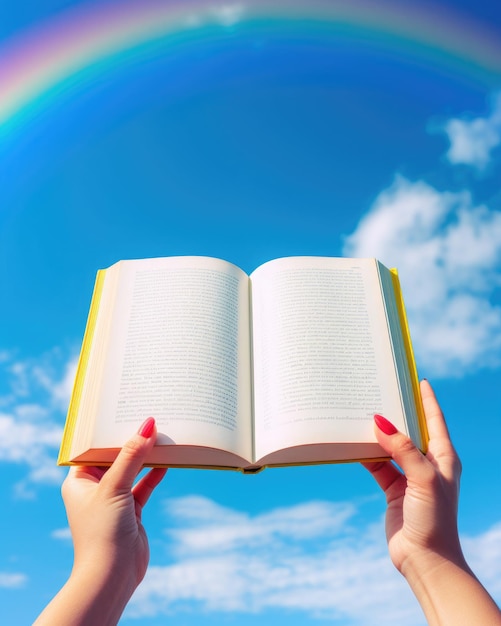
pixel 383 424
pixel 147 428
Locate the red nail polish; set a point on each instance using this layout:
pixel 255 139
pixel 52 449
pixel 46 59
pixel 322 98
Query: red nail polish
pixel 386 426
pixel 147 428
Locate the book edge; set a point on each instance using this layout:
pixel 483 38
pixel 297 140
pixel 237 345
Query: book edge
pixel 83 360
pixel 411 360
pixel 244 470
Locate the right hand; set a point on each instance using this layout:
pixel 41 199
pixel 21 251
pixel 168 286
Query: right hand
pixel 421 517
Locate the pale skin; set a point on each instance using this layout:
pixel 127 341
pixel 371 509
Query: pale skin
pixel 421 523
pixel 111 549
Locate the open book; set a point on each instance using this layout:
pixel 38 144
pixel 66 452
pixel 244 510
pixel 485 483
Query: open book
pixel 285 366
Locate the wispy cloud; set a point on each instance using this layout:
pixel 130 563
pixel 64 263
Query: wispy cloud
pixel 223 528
pixel 484 555
pixel 58 387
pixel 32 408
pixel 473 140
pixel 61 534
pixel 322 559
pixel 11 580
pixel 311 558
pixel 448 252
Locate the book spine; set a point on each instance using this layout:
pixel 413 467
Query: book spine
pixel 410 357
pixel 71 418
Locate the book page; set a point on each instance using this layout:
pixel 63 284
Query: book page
pixel 323 362
pixel 179 351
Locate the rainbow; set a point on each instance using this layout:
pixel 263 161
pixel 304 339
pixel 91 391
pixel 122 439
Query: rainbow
pixel 39 61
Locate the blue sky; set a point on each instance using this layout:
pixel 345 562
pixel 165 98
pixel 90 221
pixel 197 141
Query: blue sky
pixel 249 145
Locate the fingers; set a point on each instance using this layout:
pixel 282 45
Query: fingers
pixel 144 488
pixel 78 478
pixel 385 473
pixel 92 473
pixel 435 421
pixel 441 452
pixel 403 451
pixel 121 475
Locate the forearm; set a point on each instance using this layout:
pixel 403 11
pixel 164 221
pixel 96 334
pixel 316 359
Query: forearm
pixel 449 592
pixel 89 597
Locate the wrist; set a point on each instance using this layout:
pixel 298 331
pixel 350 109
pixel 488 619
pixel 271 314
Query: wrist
pixel 109 562
pixel 104 570
pixel 107 592
pixel 430 575
pixel 426 563
pixel 448 591
pixel 93 594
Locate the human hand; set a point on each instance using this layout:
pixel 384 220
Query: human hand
pixel 421 518
pixel 421 522
pixel 111 551
pixel 104 508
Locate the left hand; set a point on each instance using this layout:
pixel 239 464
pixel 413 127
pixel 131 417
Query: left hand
pixel 104 509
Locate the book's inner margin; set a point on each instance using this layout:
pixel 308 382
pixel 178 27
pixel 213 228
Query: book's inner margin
pixel 251 361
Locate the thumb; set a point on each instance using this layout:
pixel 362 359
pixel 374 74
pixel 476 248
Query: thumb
pixel 131 458
pixel 401 448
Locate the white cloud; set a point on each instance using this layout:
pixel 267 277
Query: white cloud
pixel 20 439
pixel 472 141
pixel 33 444
pixel 32 413
pixel 59 390
pixel 308 558
pixel 316 558
pixel 448 253
pixel 62 534
pixel 484 555
pixel 12 580
pixel 211 528
pixel 4 356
